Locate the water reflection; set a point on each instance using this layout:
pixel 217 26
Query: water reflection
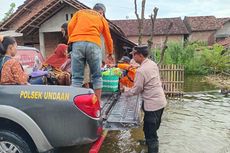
pixel 198 124
pixel 196 83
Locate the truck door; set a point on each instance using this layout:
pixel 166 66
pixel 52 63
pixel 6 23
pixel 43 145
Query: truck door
pixel 120 112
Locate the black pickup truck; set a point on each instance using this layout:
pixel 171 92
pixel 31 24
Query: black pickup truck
pixel 39 118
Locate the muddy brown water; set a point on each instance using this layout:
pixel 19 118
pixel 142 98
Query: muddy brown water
pixel 200 123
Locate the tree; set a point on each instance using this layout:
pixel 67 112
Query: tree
pixel 141 25
pixel 153 19
pixel 140 20
pixel 10 12
pixel 165 44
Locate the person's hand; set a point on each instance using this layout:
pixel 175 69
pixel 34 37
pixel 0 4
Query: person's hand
pixel 1 38
pixel 125 93
pixel 111 65
pixel 122 89
pixel 110 58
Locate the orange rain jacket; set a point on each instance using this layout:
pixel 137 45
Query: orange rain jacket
pixel 88 25
pixel 128 79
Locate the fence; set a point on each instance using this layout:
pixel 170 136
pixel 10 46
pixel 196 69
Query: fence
pixel 172 77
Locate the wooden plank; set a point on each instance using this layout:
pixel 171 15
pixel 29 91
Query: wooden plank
pixel 179 74
pixel 175 71
pixel 167 67
pixel 181 78
pixel 179 85
pixel 172 77
pixel 174 80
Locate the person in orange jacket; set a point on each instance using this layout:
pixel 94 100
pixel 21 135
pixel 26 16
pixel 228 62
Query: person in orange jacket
pixel 84 30
pixel 129 72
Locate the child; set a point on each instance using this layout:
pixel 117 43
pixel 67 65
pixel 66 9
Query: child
pixel 128 72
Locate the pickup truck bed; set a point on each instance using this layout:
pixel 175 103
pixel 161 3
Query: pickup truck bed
pixel 120 112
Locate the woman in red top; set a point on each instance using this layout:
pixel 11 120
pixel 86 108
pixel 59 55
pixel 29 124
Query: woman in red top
pixel 58 58
pixel 54 63
pixel 11 70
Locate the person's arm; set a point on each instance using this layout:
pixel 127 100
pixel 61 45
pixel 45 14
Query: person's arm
pixel 124 66
pixel 138 85
pixel 72 23
pixel 1 38
pixel 107 36
pixel 18 73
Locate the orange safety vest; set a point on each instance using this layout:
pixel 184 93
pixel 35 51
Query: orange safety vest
pixel 128 79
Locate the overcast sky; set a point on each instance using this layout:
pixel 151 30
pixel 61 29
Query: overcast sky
pixel 122 9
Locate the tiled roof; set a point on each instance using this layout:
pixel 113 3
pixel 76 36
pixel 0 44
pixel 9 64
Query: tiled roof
pixel 222 21
pixel 130 27
pixel 21 9
pixel 47 8
pixel 225 42
pixel 201 23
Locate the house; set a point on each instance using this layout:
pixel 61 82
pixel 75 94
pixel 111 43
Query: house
pixel 202 28
pixel 225 43
pixel 222 35
pixel 37 23
pixel 224 31
pixel 178 32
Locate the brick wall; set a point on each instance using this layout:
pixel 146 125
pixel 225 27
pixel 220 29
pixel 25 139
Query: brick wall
pixel 158 40
pixel 206 36
pixel 31 40
pixel 52 39
pixel 20 41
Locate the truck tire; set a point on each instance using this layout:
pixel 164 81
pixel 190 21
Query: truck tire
pixel 12 142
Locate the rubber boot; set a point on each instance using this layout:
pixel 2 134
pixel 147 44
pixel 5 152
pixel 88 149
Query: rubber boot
pixel 153 147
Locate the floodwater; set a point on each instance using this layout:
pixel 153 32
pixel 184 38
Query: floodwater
pixel 200 123
pixel 194 83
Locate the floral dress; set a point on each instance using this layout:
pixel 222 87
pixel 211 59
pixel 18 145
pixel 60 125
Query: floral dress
pixel 13 73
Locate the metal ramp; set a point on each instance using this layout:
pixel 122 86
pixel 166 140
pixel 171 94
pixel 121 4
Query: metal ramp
pixel 122 112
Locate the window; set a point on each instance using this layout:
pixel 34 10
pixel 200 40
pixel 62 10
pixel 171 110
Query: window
pixel 67 17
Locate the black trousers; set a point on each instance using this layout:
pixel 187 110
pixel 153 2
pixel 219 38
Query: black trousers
pixel 152 121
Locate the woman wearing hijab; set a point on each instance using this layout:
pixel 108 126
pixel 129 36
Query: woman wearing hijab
pixel 54 62
pixel 58 58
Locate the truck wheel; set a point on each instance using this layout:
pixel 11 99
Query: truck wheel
pixel 10 142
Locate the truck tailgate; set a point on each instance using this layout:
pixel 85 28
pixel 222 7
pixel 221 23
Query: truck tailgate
pixel 121 112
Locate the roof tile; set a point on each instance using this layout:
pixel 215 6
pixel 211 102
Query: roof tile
pixel 201 23
pixel 130 27
pixel 222 21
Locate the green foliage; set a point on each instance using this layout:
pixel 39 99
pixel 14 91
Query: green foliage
pixel 10 12
pixel 197 58
pixel 216 59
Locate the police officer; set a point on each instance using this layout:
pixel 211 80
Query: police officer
pixel 147 83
